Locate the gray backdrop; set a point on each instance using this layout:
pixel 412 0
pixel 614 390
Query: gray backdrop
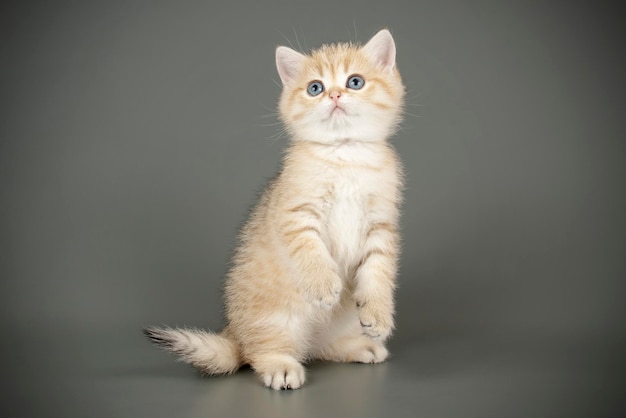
pixel 136 135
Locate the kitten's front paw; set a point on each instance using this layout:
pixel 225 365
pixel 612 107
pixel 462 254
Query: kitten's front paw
pixel 376 322
pixel 325 294
pixel 285 376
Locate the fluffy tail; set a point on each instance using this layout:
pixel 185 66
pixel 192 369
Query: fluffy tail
pixel 211 353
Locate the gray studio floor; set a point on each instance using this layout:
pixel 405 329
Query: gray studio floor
pixel 115 373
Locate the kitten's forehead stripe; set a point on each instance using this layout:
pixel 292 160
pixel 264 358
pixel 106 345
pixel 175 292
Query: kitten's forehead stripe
pixel 346 63
pixel 318 67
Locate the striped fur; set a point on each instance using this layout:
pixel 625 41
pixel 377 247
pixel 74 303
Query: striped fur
pixel 314 274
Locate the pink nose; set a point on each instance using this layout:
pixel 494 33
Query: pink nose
pixel 335 95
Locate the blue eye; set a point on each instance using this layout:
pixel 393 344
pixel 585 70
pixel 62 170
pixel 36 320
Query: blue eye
pixel 355 82
pixel 315 88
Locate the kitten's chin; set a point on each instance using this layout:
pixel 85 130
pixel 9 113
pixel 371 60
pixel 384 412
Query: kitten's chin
pixel 340 125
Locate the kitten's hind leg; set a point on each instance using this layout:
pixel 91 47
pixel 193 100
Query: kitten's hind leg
pixel 274 352
pixel 279 371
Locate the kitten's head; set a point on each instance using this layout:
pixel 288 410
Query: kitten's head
pixel 341 92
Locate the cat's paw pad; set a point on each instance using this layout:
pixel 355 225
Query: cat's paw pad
pixel 284 377
pixel 374 324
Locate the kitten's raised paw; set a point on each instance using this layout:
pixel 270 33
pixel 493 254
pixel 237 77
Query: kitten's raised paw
pixel 374 323
pixel 325 295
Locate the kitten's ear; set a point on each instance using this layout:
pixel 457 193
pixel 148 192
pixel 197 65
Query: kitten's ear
pixel 382 49
pixel 287 63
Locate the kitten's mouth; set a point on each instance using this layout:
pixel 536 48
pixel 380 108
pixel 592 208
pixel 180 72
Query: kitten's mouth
pixel 337 114
pixel 338 110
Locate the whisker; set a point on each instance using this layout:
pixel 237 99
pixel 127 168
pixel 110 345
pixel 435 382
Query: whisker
pixel 278 135
pixel 273 112
pixel 410 99
pixel 271 109
pixel 409 92
pixel 287 39
pixel 265 125
pixel 404 126
pixel 297 40
pixel 304 41
pixel 271 115
pixel 277 83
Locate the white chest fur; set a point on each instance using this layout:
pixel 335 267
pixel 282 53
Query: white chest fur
pixel 347 221
pixel 349 211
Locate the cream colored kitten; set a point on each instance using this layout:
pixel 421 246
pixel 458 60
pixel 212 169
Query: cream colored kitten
pixel 314 274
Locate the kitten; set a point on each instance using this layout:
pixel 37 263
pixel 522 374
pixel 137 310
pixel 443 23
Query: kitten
pixel 314 274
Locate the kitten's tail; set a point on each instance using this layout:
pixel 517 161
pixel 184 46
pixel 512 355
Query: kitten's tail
pixel 211 353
